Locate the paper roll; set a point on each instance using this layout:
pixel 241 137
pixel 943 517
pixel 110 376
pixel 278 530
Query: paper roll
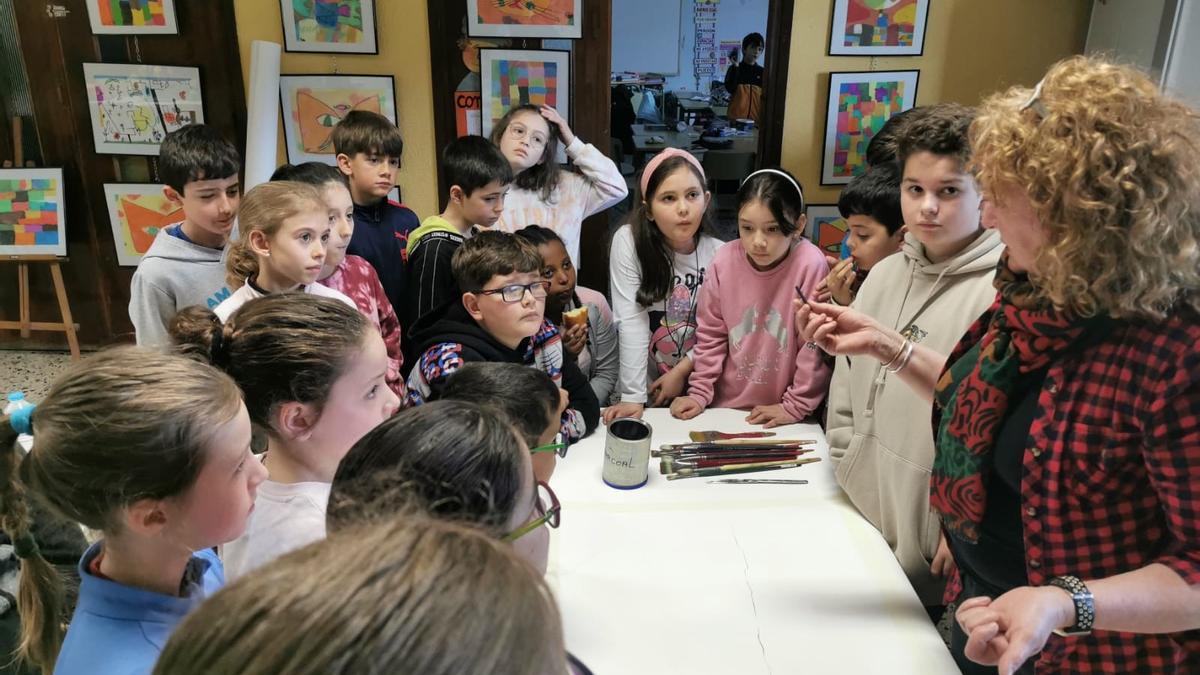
pixel 262 113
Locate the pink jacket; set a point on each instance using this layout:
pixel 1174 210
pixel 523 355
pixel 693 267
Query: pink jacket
pixel 747 349
pixel 357 279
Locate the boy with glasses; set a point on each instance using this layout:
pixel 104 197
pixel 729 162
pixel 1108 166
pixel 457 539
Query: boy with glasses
pixel 500 319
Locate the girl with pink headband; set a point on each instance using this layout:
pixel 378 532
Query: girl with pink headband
pixel 656 266
pixel 748 354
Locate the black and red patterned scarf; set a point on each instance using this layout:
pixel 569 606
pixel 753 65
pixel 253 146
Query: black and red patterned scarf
pixel 1025 334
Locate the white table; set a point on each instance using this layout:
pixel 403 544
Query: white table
pixel 690 577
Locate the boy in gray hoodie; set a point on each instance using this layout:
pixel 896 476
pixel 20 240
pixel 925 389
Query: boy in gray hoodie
pixel 880 439
pixel 185 265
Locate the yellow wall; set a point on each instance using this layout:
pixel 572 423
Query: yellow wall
pixel 972 48
pixel 403 54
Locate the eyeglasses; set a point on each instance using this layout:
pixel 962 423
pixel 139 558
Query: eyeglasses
pixel 546 516
pixel 516 292
pixel 557 447
pixel 518 131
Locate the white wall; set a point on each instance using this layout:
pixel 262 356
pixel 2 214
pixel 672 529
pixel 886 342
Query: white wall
pixel 1182 70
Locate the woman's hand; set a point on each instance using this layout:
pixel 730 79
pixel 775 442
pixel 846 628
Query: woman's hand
pixel 617 410
pixel 685 408
pixel 943 561
pixel 841 330
pixel 574 338
pixel 554 118
pixel 841 276
pixel 667 387
pixel 770 416
pixel 1008 631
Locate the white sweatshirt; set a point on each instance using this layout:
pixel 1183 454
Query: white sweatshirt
pixel 673 319
pixel 600 186
pixel 247 293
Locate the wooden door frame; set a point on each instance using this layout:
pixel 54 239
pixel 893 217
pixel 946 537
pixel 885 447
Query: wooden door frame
pixel 775 81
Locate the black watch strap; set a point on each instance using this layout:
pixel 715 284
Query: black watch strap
pixel 1085 607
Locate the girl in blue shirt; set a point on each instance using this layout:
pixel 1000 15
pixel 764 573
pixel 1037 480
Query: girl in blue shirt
pixel 153 451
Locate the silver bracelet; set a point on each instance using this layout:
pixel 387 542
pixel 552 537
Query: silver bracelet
pixel 903 359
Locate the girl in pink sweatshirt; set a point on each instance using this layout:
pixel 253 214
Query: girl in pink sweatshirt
pixel 748 354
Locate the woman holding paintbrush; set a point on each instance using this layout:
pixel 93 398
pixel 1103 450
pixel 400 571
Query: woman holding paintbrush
pixel 1068 418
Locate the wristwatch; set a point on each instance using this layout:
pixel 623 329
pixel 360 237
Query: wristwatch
pixel 1085 607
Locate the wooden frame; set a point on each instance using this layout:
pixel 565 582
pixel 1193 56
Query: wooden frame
pixel 292 42
pixel 775 82
pixel 837 33
pixel 839 171
pixel 524 30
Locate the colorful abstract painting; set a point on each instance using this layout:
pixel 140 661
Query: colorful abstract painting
pixel 827 228
pixel 525 18
pixel 133 107
pixel 137 211
pixel 878 27
pixel 32 217
pixel 314 104
pixel 859 104
pixel 137 17
pixel 337 26
pixel 512 77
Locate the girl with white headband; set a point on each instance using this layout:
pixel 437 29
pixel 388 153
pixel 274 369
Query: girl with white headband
pixel 748 354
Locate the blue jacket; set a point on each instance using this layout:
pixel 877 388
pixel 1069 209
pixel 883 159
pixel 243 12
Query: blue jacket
pixel 119 630
pixel 381 238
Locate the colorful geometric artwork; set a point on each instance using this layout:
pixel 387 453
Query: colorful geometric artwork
pixel 878 27
pixel 314 104
pixel 525 18
pixel 337 26
pixel 827 228
pixel 512 77
pixel 137 211
pixel 138 17
pixel 133 107
pixel 32 217
pixel 859 104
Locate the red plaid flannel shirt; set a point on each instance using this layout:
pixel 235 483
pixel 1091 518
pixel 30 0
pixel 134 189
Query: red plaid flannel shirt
pixel 1112 481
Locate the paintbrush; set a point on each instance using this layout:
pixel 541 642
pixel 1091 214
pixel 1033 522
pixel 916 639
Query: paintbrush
pixel 738 444
pixel 704 436
pixel 738 456
pixel 669 464
pixel 738 468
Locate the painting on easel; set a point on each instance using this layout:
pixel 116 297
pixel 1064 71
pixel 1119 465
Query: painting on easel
pixel 137 211
pixel 32 217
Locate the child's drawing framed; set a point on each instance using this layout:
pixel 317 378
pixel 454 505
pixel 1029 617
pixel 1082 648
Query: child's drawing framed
pixel 132 17
pixel 827 228
pixel 32 213
pixel 859 104
pixel 878 27
pixel 512 77
pixel 329 26
pixel 314 104
pixel 133 107
pixel 137 211
pixel 525 18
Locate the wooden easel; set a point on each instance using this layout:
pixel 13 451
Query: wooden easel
pixel 25 325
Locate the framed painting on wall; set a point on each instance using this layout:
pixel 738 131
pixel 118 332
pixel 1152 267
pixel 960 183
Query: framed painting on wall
pixel 512 77
pixel 878 27
pixel 859 104
pixel 133 107
pixel 314 104
pixel 136 17
pixel 329 26
pixel 137 211
pixel 827 228
pixel 32 214
pixel 525 18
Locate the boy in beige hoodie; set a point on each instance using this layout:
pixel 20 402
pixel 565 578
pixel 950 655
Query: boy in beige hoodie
pixel 880 438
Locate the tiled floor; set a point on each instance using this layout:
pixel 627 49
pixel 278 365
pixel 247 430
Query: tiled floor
pixel 30 372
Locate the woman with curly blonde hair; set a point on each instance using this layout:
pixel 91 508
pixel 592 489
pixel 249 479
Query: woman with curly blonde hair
pixel 1067 420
